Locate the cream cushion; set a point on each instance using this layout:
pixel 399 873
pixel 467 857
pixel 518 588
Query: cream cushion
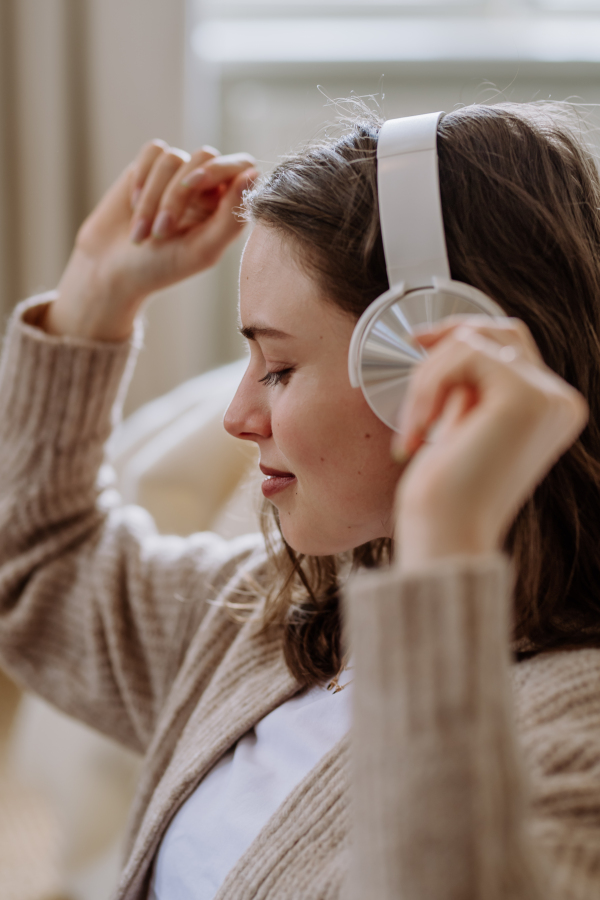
pixel 174 457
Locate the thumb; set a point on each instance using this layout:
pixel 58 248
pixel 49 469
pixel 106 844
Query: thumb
pixel 458 403
pixel 226 223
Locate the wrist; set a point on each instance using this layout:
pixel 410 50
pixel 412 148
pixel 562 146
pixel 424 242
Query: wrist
pixel 425 538
pixel 91 305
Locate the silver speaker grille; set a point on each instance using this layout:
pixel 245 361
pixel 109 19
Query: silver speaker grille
pixel 383 352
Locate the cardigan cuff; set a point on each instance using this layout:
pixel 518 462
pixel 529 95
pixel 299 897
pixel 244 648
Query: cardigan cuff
pixel 435 638
pixel 64 389
pixel 437 787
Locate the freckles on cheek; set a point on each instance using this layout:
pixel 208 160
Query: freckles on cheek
pixel 330 441
pixel 304 447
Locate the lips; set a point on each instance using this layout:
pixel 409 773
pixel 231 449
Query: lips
pixel 276 480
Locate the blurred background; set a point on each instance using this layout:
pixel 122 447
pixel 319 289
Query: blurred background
pixel 83 83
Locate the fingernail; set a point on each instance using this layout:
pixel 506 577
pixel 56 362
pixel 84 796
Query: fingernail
pixel 135 197
pixel 140 231
pixel 163 225
pixel 194 179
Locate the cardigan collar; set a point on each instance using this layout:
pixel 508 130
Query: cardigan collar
pixel 251 680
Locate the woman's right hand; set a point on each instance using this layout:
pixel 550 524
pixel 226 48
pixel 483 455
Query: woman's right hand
pixel 168 216
pixel 501 419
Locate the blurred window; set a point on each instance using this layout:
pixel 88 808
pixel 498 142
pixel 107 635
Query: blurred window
pixel 284 8
pixel 569 6
pixel 234 32
pixel 334 7
pixel 261 72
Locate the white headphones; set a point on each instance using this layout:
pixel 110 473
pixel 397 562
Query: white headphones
pixel 382 352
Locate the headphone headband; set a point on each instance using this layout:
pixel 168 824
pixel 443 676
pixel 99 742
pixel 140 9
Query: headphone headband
pixel 383 352
pixel 410 206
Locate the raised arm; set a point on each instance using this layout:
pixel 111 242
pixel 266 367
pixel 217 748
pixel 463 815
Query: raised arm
pixel 167 217
pixel 95 607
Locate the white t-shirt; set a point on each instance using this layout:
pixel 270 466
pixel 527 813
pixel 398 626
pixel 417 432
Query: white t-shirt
pixel 233 802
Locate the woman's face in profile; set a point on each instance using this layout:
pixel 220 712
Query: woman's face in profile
pixel 327 454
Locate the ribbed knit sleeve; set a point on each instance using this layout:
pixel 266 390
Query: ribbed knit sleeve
pixel 439 798
pixel 95 607
pixel 57 397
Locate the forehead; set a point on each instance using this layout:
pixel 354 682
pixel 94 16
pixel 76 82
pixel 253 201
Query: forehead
pixel 277 293
pixel 273 287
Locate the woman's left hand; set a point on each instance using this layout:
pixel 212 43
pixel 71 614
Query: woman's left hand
pixel 168 216
pixel 484 421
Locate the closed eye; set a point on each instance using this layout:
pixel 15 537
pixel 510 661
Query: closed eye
pixel 280 377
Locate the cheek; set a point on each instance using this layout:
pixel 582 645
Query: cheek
pixel 338 442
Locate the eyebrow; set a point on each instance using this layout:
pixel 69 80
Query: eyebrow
pixel 252 332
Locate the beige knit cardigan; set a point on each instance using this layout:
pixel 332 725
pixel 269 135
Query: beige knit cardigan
pixel 465 777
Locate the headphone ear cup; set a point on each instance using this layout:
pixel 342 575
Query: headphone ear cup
pixel 383 351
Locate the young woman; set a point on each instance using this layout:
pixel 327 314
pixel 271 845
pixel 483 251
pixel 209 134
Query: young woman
pixel 467 773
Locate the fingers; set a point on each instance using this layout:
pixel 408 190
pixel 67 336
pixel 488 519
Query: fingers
pixel 459 401
pixel 466 359
pixel 165 165
pixel 225 224
pixel 508 383
pixel 148 156
pixel 218 170
pixel 174 199
pixel 142 166
pixel 197 188
pixel 505 331
pixel 172 190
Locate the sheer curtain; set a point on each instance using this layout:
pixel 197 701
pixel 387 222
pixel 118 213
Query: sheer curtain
pixel 83 83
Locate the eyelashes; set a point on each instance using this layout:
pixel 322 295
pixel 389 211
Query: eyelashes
pixel 282 376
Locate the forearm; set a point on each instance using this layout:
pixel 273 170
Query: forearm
pixel 56 403
pixel 439 801
pixel 91 307
pixel 91 611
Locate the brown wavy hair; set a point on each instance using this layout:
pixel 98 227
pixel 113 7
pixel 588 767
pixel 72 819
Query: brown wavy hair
pixel 521 207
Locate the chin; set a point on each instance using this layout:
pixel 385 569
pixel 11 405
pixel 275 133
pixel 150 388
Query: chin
pixel 309 543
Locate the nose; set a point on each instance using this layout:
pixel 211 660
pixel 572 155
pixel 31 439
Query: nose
pixel 248 416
